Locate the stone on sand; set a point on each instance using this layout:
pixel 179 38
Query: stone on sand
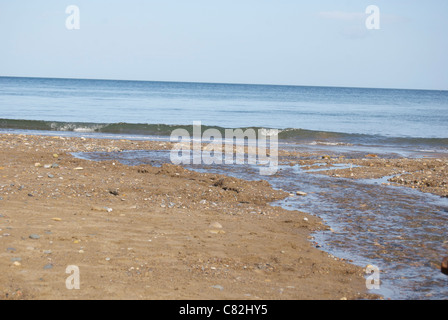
pixel 445 266
pixel 215 225
pixel 103 209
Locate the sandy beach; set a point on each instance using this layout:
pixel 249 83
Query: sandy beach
pixel 151 233
pixel 147 232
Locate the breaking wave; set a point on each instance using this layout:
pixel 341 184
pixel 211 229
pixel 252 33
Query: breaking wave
pixel 311 137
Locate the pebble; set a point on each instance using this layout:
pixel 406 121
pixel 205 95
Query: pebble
pixel 114 192
pixel 11 249
pixel 218 287
pixel 47 252
pixel 55 165
pixel 50 176
pixel 79 168
pixel 216 225
pixel 48 266
pixel 445 266
pixel 217 231
pixel 300 193
pixel 106 209
pixel 17 264
pixel 16 259
pixel 34 236
pixel 107 259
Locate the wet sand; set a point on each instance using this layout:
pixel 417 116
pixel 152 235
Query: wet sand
pixel 151 233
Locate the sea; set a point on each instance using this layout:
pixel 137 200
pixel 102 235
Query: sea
pixel 404 119
pixel 403 231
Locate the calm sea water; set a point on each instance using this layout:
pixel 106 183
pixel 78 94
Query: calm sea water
pixel 346 114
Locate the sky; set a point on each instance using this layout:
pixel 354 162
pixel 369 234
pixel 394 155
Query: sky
pixel 285 42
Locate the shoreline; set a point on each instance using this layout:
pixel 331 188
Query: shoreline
pixel 152 233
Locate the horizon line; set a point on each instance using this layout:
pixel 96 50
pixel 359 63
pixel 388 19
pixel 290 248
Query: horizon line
pixel 223 83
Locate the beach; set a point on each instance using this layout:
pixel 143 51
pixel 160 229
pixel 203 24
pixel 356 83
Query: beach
pixel 91 187
pixel 147 232
pixel 151 233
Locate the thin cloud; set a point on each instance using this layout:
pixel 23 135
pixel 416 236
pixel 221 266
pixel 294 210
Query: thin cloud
pixel 359 16
pixel 342 16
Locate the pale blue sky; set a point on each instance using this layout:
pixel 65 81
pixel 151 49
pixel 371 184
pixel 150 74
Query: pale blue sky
pixel 321 43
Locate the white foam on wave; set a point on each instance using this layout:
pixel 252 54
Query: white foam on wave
pixel 326 143
pixel 270 132
pixel 75 127
pixel 84 130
